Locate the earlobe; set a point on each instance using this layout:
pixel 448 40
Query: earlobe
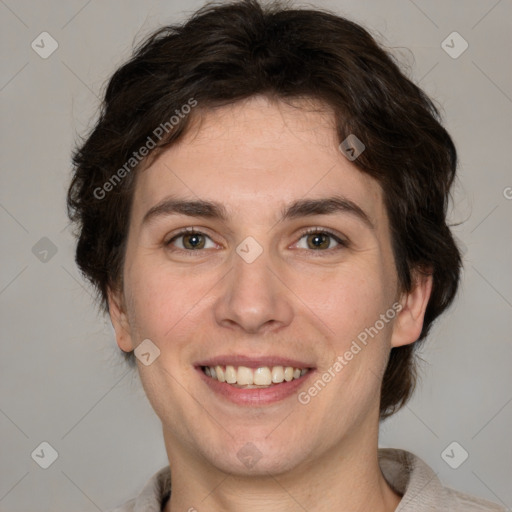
pixel 409 322
pixel 119 319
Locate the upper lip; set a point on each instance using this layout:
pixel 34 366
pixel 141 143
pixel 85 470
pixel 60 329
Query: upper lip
pixel 252 362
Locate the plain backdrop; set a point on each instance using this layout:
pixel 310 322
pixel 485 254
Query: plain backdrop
pixel 62 379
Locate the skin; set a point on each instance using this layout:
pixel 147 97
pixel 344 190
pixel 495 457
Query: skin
pixel 295 300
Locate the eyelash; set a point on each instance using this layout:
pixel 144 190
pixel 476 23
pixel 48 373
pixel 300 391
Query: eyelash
pixel 316 230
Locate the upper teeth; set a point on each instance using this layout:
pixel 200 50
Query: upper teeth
pixel 263 376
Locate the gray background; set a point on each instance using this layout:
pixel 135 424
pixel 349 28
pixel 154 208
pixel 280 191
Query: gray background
pixel 62 380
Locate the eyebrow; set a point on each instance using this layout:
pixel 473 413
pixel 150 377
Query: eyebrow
pixel 297 209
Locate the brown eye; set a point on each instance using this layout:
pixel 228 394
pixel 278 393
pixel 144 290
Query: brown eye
pixel 321 241
pixel 318 241
pixel 194 241
pixel 190 241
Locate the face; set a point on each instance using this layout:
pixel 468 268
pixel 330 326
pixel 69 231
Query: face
pixel 286 262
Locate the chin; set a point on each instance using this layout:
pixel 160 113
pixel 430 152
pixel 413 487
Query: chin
pixel 257 455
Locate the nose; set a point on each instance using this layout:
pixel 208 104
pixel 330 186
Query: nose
pixel 253 297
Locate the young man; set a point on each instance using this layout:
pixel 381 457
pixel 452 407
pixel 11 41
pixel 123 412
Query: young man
pixel 262 208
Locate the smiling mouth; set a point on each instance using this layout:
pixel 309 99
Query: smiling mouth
pixel 251 378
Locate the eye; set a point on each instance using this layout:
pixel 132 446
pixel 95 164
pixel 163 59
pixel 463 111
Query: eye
pixel 192 240
pixel 320 240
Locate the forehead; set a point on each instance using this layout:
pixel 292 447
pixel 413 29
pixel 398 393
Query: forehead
pixel 255 157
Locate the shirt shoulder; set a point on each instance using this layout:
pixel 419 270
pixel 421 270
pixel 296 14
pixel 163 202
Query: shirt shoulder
pixel 126 507
pixel 473 504
pixel 421 489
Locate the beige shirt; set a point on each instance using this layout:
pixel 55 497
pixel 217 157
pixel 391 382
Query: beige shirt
pixel 419 486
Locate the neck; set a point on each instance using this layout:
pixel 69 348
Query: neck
pixel 347 478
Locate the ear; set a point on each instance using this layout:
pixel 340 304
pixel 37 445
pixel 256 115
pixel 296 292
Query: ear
pixel 119 319
pixel 409 321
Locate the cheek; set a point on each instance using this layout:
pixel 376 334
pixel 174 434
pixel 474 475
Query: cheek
pixel 360 341
pixel 351 300
pixel 155 300
pixel 168 307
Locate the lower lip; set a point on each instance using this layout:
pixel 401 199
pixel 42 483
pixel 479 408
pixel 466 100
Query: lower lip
pixel 255 396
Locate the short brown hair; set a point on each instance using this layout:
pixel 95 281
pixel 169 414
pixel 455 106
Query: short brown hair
pixel 229 52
